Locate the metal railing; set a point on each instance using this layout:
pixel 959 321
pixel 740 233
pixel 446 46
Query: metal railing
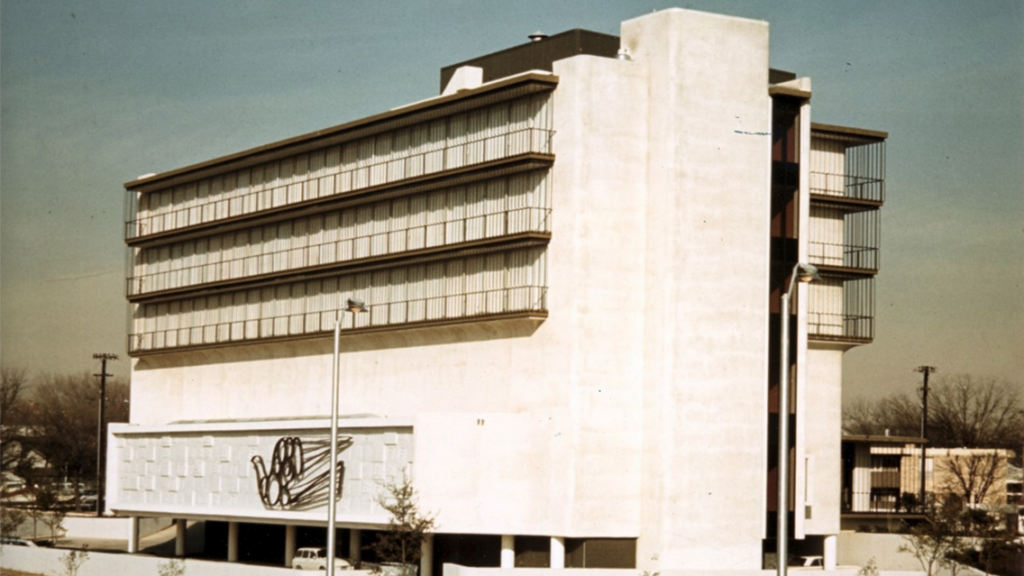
pixel 841 326
pixel 850 167
pixel 846 238
pixel 833 254
pixel 849 316
pixel 446 232
pixel 412 311
pixel 891 490
pixel 448 157
pixel 846 186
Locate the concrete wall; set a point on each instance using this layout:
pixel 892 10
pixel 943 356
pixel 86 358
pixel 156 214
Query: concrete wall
pixel 48 561
pixel 455 570
pixel 112 528
pixel 822 434
pixel 705 333
pixel 597 273
pixel 860 547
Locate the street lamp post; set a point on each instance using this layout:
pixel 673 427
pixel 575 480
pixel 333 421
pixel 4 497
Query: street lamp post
pixel 801 273
pixel 354 306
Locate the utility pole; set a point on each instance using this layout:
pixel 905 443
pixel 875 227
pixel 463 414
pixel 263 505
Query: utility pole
pixel 926 370
pixel 101 429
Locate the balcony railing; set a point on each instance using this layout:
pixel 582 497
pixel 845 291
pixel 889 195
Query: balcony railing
pixel 888 490
pixel 395 240
pixel 401 312
pixel 844 238
pixel 841 309
pixel 847 167
pixel 258 198
pixel 843 255
pixel 880 500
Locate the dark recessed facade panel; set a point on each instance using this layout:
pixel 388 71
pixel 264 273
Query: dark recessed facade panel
pixel 538 55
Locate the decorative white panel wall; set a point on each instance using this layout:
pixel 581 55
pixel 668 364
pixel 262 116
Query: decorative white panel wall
pixel 221 471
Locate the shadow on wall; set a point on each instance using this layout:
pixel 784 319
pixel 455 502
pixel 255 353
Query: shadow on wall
pixel 474 330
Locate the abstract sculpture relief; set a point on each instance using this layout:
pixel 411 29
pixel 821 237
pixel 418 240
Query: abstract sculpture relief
pixel 299 473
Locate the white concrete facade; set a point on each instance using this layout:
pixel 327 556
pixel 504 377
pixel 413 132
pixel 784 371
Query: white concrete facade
pixel 622 396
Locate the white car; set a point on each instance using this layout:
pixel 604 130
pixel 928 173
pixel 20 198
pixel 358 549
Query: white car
pixel 316 559
pixel 11 541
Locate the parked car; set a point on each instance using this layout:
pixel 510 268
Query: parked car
pixel 10 541
pixel 316 559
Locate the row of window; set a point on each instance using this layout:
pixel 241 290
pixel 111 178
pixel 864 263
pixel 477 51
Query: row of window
pixel 488 209
pixel 490 133
pixel 486 284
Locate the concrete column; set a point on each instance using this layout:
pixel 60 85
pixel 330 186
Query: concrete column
pixel 232 541
pixel 133 534
pixel 427 556
pixel 508 551
pixel 557 552
pixel 180 530
pixel 289 544
pixel 355 544
pixel 829 560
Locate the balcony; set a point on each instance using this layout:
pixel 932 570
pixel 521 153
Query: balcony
pixel 880 476
pixel 458 142
pixel 474 287
pixel 441 219
pixel 847 165
pixel 841 240
pixel 841 309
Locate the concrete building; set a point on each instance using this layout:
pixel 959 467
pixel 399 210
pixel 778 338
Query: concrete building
pixel 572 260
pixel 882 478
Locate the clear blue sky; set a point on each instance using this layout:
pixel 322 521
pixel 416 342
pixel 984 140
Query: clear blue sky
pixel 95 93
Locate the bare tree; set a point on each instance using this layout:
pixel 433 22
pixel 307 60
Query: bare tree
pixel 65 417
pixel 972 475
pixel 972 411
pixel 897 414
pixel 72 561
pixel 941 539
pixel 12 407
pixel 10 520
pixel 965 411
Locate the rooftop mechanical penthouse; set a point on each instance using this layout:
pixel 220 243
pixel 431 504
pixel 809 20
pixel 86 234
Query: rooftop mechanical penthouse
pixel 573 260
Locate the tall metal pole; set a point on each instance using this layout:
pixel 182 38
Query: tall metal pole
pixel 782 535
pixel 926 370
pixel 801 273
pixel 101 436
pixel 355 307
pixel 332 498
